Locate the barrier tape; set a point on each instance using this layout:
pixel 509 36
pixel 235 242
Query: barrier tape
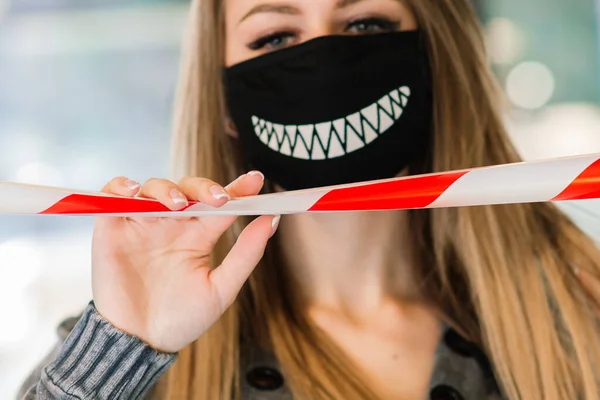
pixel 563 179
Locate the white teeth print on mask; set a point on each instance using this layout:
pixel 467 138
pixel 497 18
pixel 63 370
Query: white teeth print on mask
pixel 332 139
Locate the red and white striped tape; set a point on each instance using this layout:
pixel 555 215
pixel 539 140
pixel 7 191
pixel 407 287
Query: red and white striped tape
pixel 572 178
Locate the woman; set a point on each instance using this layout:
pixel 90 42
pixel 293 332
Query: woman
pixel 471 303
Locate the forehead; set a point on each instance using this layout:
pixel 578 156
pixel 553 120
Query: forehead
pixel 236 11
pixel 290 6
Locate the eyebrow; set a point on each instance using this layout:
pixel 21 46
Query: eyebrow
pixel 289 9
pixel 346 3
pixel 272 8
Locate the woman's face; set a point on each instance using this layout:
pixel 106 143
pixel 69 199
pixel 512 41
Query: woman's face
pixel 256 27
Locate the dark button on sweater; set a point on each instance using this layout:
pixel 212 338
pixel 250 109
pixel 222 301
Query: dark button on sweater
pixel 445 392
pixel 264 378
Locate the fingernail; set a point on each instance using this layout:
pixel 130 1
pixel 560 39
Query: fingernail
pixel 275 224
pixel 219 193
pixel 178 197
pixel 253 173
pixel 576 271
pixel 132 185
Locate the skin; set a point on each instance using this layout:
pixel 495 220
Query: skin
pixel 151 277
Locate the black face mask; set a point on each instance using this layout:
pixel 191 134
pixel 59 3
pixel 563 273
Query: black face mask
pixel 334 110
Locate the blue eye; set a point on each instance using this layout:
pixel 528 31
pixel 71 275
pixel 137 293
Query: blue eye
pixel 372 25
pixel 272 42
pixel 280 40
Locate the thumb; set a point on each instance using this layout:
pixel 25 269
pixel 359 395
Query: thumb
pixel 229 277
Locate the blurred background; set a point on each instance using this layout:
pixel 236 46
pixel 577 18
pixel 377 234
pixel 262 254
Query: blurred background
pixel 85 94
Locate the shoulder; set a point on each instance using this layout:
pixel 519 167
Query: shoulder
pixel 62 358
pixel 65 327
pixel 63 330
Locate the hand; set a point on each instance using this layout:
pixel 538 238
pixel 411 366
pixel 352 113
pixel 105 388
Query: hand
pixel 151 277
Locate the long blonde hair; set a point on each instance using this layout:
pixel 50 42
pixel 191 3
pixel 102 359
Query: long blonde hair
pixel 503 275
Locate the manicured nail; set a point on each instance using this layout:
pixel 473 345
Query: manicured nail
pixel 253 173
pixel 219 193
pixel 275 224
pixel 178 197
pixel 132 185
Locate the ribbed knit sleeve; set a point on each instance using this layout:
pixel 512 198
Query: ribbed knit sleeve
pixel 98 361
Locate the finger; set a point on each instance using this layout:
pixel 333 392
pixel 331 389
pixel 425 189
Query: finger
pixel 166 192
pixel 204 190
pixel 591 283
pixel 230 276
pixel 248 184
pixel 209 192
pixel 122 186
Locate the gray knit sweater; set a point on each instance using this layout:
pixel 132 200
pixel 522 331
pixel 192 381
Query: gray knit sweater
pixel 97 361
